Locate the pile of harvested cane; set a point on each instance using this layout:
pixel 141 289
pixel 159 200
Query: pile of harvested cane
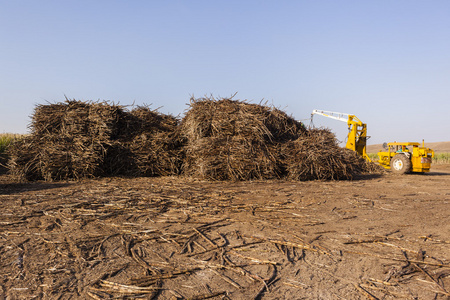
pixel 317 155
pixel 76 139
pixel 148 144
pixel 234 140
pixel 221 139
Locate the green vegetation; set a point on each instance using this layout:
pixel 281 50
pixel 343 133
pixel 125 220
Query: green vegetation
pixel 6 139
pixel 441 158
pixel 373 156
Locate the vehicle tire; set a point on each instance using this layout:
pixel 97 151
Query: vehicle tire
pixel 400 164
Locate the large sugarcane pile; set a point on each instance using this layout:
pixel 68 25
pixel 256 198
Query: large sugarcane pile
pixel 76 139
pixel 218 139
pixel 317 155
pixel 234 140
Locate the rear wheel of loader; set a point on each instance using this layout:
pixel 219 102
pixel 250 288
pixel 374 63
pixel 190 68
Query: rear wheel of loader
pixel 400 164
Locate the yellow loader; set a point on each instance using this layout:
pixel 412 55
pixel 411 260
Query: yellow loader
pixel 400 158
pixel 404 158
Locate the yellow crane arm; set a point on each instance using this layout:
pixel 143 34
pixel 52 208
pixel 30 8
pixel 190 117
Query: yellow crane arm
pixel 357 130
pixel 344 117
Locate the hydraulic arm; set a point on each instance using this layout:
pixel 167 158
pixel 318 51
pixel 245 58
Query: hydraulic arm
pixel 357 130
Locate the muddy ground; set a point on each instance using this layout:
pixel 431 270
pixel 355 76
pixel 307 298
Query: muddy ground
pixel 377 237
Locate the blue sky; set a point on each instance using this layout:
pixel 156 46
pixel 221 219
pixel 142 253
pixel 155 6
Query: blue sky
pixel 387 62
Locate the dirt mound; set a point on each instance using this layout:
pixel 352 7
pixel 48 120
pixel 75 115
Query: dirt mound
pixel 235 140
pixel 76 139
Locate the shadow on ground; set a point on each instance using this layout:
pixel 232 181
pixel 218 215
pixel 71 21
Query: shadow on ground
pixel 15 188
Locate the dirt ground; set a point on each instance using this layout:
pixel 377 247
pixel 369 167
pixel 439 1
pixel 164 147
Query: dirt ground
pixel 377 237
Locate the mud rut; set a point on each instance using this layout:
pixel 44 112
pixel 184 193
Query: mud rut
pixel 172 238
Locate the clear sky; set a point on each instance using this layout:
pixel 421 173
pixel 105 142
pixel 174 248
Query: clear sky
pixel 387 62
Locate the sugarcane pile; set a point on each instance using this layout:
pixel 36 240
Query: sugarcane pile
pixel 234 140
pixel 76 139
pixel 218 139
pixel 317 155
pixel 148 144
